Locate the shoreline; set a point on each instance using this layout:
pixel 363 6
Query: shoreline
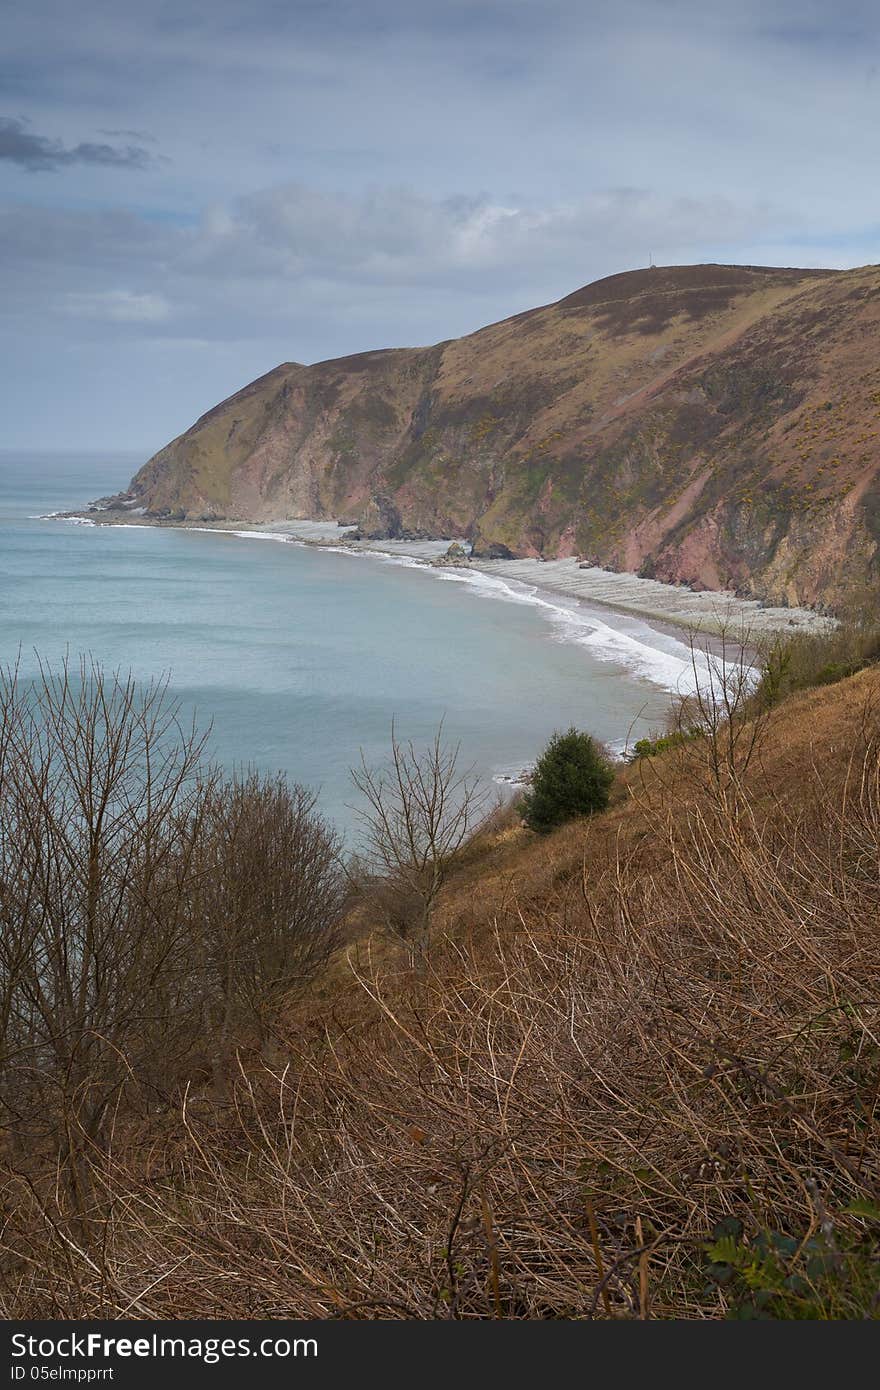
pixel 671 609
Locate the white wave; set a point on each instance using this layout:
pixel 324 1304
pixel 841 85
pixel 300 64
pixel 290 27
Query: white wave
pixel 407 562
pixel 257 535
pixel 661 659
pixel 510 780
pixel 618 749
pixel 671 666
pixel 242 535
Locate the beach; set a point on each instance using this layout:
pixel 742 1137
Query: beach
pixel 300 643
pixel 298 647
pixel 670 606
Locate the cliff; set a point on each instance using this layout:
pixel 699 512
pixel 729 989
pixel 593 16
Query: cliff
pixel 716 425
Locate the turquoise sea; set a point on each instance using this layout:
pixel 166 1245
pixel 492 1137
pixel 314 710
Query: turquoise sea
pixel 301 657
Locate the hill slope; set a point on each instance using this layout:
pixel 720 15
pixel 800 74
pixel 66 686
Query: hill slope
pixel 637 1037
pixel 716 425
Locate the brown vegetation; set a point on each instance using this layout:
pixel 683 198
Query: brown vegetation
pixel 417 813
pixel 638 1077
pixel 149 911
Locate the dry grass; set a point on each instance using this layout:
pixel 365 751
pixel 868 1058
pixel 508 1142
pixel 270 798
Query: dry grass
pixel 629 1032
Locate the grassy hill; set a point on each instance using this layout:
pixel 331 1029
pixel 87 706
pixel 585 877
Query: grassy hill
pixel 716 425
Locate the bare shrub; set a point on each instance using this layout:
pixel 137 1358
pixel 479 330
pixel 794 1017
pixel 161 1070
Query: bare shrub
pixel 266 903
pixel 421 808
pixel 802 660
pixel 101 804
pixel 718 726
pixel 149 912
pixel 678 1027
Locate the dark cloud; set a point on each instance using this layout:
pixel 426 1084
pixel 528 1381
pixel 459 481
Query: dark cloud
pixel 40 154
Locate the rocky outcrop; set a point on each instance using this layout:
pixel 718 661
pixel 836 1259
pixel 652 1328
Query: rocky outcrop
pixel 494 550
pixel 456 557
pixel 381 521
pixel 711 425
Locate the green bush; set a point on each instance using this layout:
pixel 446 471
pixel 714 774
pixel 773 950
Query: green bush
pixel 809 659
pixel 828 1275
pixel 650 747
pixel 573 777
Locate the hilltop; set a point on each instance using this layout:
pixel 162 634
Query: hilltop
pixel 710 425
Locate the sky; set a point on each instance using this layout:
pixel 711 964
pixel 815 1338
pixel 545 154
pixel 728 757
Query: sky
pixel 191 193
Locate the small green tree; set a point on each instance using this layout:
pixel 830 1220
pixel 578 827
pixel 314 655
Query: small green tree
pixel 572 777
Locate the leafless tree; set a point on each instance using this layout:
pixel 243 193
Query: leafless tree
pixel 721 713
pixel 420 809
pixel 102 799
pixel 267 902
pixel 147 907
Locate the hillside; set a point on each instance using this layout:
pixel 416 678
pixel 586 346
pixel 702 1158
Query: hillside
pixel 714 425
pixel 639 1079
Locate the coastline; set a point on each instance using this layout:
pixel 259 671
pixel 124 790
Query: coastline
pixel 674 608
pixel 669 608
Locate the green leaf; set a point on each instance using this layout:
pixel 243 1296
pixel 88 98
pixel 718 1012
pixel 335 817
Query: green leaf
pixel 869 1210
pixel 786 1245
pixel 729 1226
pixel 746 1312
pixel 724 1251
pixel 818 1265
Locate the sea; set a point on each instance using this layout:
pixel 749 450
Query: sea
pixel 299 658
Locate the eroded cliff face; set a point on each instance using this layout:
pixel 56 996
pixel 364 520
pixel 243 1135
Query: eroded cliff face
pixel 717 425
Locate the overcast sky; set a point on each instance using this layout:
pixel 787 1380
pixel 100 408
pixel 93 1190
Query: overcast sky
pixel 193 192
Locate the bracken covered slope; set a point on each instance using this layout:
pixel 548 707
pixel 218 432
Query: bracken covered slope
pixel 716 425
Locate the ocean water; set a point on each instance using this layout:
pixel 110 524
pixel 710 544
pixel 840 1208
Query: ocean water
pixel 300 658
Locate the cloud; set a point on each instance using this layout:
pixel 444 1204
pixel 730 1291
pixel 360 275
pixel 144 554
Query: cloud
pixel 117 306
pixel 297 236
pixel 254 262
pixel 376 173
pixel 143 136
pixel 39 154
